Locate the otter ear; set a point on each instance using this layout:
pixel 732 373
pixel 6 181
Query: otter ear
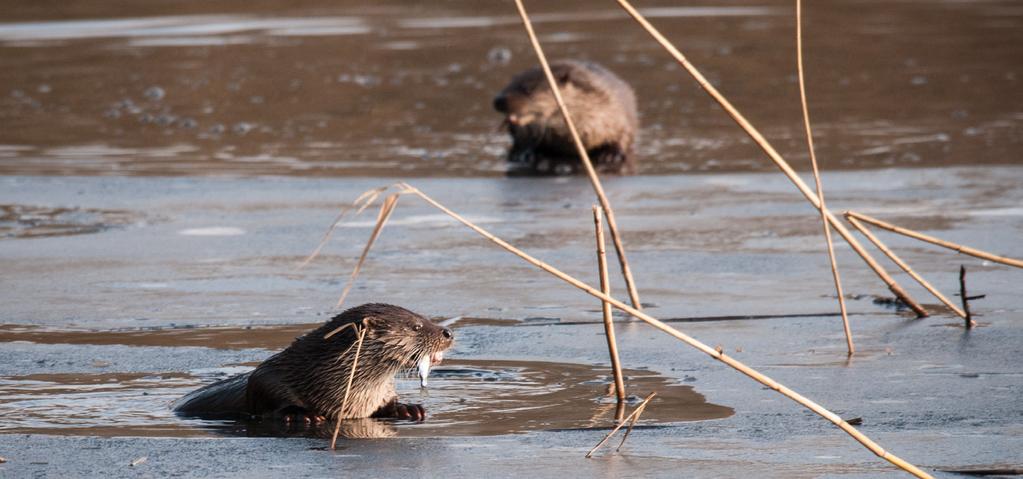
pixel 562 74
pixel 369 321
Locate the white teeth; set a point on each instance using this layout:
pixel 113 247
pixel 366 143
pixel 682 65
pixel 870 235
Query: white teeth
pixel 424 369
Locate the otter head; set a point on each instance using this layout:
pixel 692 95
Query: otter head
pixel 404 339
pixel 528 99
pixel 396 339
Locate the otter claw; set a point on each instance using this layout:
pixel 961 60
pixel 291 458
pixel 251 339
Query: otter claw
pixel 294 415
pixel 397 410
pixel 413 412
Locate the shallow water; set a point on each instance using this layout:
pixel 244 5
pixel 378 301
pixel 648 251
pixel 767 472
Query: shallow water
pixel 338 89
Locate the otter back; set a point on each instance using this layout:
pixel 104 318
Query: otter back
pixel 603 109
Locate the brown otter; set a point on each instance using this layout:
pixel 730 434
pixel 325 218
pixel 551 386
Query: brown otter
pixel 307 380
pixel 603 108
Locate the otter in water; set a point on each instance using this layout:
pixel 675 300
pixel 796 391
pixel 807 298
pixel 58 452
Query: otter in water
pixel 603 108
pixel 307 380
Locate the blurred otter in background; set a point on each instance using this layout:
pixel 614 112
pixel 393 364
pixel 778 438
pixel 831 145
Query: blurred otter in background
pixel 603 108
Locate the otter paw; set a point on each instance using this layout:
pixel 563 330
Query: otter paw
pixel 609 158
pixel 397 410
pixel 413 412
pixel 296 415
pixel 522 157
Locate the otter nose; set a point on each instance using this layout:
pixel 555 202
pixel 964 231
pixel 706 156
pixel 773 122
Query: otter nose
pixel 501 104
pixel 447 333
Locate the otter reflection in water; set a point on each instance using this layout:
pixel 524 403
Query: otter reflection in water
pixel 307 381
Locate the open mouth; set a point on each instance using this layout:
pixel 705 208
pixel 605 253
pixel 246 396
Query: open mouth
pixel 425 363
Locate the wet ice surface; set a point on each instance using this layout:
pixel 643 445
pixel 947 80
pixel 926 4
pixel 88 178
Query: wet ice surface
pixel 120 322
pixel 736 242
pixel 322 88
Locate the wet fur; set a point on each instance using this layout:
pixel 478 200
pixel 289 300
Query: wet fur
pixel 310 376
pixel 603 108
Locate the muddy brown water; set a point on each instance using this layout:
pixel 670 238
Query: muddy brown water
pixel 319 88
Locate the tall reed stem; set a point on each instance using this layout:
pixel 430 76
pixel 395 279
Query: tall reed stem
pixel 612 225
pixel 776 157
pixel 605 287
pixel 817 179
pixel 902 264
pixel 935 241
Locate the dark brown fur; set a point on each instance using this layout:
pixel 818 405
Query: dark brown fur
pixel 308 379
pixel 603 108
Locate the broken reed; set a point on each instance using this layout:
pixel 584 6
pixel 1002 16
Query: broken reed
pixel 817 179
pixel 605 287
pixel 633 417
pixel 362 202
pixel 965 299
pixel 385 213
pixel 775 157
pixel 598 188
pixel 361 332
pixel 717 354
pixel 936 241
pixel 902 264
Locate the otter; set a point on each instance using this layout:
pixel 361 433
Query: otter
pixel 307 380
pixel 603 108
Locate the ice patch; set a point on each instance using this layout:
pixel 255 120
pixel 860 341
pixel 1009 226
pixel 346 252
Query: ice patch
pixel 212 231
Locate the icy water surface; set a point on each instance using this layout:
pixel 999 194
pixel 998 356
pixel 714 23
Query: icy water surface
pixel 101 331
pixel 165 167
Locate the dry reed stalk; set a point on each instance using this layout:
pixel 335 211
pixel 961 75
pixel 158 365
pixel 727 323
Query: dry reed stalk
pixel 605 287
pixel 935 241
pixel 635 412
pixel 366 199
pixel 598 188
pixel 776 157
pixel 902 264
pixel 385 212
pixel 348 388
pixel 714 353
pixel 635 419
pixel 817 178
pixel 964 298
pixel 338 330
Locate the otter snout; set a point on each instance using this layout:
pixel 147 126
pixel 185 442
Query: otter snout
pixel 501 104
